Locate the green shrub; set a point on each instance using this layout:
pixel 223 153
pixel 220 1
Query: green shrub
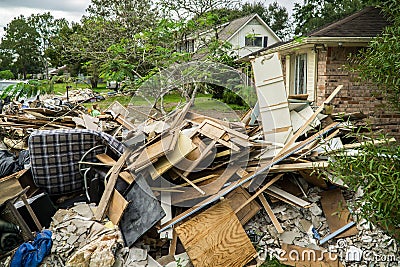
pixel 6 74
pixel 375 170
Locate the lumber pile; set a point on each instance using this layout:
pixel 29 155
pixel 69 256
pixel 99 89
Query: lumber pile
pixel 194 190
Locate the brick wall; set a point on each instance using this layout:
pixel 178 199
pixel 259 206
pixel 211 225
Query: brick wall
pixel 355 96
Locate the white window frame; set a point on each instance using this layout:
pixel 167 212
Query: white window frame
pixel 300 74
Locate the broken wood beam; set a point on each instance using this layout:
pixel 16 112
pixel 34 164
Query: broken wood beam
pixel 271 214
pixel 105 198
pixel 247 178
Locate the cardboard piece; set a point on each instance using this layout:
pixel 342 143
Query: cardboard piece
pixel 336 212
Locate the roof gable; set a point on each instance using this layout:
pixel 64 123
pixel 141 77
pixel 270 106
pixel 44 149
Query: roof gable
pixel 368 22
pixel 236 25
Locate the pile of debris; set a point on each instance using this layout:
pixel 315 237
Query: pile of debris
pixel 193 190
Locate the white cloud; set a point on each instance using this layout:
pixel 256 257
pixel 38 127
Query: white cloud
pixel 71 10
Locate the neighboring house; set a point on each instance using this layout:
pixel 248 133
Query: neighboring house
pixel 314 65
pixel 246 35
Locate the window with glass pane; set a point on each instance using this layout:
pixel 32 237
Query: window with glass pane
pixel 253 41
pixel 300 74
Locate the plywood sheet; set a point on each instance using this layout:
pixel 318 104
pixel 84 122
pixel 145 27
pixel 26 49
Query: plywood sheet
pixel 215 237
pixel 239 196
pixel 117 207
pixel 336 212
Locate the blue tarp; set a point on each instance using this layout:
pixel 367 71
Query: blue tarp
pixel 31 254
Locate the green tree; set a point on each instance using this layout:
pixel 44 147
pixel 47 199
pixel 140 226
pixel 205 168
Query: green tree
pixel 22 41
pixel 48 29
pixel 313 14
pixel 275 15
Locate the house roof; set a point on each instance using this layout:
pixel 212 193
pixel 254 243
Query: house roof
pixel 368 22
pixel 359 27
pixel 232 27
pixel 227 30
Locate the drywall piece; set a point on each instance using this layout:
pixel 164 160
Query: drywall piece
pixel 117 207
pixel 330 146
pixel 142 213
pixel 272 99
pixel 307 257
pixel 182 148
pixel 236 198
pixel 215 237
pixel 166 206
pixel 118 109
pixel 91 123
pixel 336 212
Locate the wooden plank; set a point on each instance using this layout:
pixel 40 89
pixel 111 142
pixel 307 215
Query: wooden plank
pixel 250 177
pixel 255 183
pixel 203 155
pixel 293 199
pixel 209 189
pixel 310 120
pixel 106 159
pixel 153 152
pixel 105 198
pixel 276 178
pixel 215 237
pixel 271 214
pixel 121 120
pixel 307 257
pixel 336 212
pixel 236 198
pixel 182 148
pixel 10 187
pixel 117 207
pixel 127 177
pixel 174 241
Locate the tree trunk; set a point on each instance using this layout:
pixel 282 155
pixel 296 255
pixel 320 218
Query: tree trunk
pixel 93 82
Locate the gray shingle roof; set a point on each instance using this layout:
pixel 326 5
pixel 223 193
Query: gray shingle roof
pixel 233 27
pixel 368 22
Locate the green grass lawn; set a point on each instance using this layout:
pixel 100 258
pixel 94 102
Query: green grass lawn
pixel 202 101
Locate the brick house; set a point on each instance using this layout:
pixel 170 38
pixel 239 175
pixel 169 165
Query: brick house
pixel 314 65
